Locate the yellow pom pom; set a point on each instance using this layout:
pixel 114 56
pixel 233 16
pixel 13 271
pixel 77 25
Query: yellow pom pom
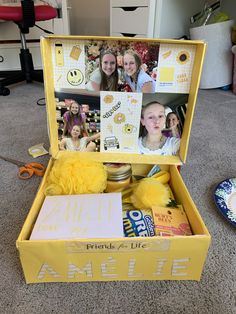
pixel 73 175
pixel 150 192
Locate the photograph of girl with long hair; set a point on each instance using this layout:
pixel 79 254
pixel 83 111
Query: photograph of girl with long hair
pixel 134 74
pixel 106 76
pixel 151 139
pixel 77 142
pixel 73 116
pixel 173 127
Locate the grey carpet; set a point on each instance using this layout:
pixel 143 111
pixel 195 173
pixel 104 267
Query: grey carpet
pixel 211 158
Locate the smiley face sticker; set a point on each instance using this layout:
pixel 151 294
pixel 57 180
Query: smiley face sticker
pixel 75 77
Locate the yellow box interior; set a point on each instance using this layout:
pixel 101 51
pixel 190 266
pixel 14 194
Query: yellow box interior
pixel 175 252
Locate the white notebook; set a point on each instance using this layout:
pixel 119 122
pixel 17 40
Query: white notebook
pixel 79 216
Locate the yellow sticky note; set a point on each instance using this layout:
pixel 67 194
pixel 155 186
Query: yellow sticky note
pixel 167 74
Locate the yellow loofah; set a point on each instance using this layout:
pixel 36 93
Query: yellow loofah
pixel 73 175
pixel 150 192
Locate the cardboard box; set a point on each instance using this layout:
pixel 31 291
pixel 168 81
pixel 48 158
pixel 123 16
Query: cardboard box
pixel 137 258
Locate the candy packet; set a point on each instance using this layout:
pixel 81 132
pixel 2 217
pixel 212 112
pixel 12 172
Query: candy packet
pixel 170 221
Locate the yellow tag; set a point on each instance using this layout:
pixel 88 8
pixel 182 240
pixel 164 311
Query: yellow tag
pixel 59 54
pixel 75 53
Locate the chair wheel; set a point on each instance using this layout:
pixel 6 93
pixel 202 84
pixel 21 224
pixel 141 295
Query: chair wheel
pixel 5 91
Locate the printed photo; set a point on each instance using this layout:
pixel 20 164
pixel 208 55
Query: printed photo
pixel 121 66
pixel 161 124
pixel 78 120
pixel 142 123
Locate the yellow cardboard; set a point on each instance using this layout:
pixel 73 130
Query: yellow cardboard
pixel 168 258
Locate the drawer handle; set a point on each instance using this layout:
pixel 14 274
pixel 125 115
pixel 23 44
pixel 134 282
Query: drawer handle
pixel 129 8
pixel 128 34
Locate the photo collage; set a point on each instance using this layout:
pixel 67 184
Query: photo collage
pixel 121 96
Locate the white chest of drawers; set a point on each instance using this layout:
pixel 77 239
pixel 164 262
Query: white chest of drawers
pixel 134 18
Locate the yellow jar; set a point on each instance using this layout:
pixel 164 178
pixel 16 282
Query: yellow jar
pixel 118 176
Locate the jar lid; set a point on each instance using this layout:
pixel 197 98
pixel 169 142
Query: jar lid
pixel 118 171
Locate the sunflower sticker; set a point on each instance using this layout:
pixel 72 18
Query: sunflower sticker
pixel 183 57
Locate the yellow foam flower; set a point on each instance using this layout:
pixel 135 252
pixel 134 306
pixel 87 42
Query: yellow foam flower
pixel 150 192
pixel 73 175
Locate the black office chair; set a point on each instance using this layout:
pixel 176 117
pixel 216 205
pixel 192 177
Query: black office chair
pixel 25 17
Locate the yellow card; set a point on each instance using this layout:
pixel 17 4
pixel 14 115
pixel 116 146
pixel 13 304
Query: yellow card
pixel 167 74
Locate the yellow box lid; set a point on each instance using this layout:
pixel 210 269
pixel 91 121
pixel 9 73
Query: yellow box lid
pixel 138 97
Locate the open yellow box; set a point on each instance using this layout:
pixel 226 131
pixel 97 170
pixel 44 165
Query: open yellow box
pixel 178 64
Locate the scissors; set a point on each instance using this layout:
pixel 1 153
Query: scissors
pixel 26 170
